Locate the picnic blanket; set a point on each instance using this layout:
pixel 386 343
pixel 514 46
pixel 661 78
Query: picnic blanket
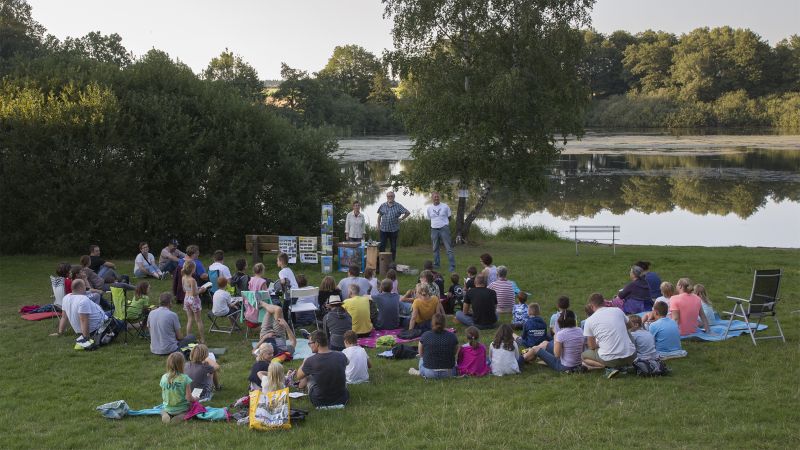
pixel 39 316
pixel 369 342
pixel 718 331
pixel 119 409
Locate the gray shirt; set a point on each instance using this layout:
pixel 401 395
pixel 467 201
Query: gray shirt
pixel 363 285
pixel 164 326
pixel 645 345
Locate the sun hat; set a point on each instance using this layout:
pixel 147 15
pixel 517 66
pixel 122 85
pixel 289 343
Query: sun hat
pixel 334 300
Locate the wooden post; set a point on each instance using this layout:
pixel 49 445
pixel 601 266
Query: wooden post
pixel 256 251
pixel 385 259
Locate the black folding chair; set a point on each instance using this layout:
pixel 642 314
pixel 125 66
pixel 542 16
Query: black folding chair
pixel 761 304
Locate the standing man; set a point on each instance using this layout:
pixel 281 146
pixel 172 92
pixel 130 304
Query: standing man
pixel 390 214
pixel 354 224
pixel 439 215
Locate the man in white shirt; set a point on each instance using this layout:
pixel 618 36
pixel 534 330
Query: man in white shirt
pixel 84 315
pixel 224 271
pixel 439 215
pixel 607 337
pixel 355 224
pixel 145 263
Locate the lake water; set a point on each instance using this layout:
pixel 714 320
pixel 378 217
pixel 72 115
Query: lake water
pixel 662 189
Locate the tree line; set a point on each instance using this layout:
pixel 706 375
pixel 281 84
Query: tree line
pixel 97 146
pixel 708 77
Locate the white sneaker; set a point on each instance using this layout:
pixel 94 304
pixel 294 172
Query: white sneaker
pixel 413 371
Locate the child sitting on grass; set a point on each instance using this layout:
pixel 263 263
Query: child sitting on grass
pixel 563 305
pixel 520 312
pixel 358 360
pixel 454 296
pixel 392 275
pixel 708 308
pixel 643 340
pixel 666 333
pixel 274 379
pixel 472 355
pixel 504 352
pixel 369 275
pixel 667 291
pixel 176 391
pixel 534 330
pixel 469 282
pixel 203 369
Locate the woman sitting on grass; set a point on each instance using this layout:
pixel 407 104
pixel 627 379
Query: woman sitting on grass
pixel 176 391
pixel 636 294
pixel 504 352
pixel 567 346
pixel 424 308
pixel 438 350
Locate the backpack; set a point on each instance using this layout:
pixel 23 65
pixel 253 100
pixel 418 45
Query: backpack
pixel 650 368
pixel 402 351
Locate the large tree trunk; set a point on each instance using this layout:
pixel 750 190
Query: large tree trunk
pixel 463 224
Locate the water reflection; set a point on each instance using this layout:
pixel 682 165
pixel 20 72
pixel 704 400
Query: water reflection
pixel 585 187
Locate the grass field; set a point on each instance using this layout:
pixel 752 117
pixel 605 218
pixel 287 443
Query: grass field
pixel 727 394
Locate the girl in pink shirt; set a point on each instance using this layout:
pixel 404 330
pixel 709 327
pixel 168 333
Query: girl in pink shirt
pixel 472 356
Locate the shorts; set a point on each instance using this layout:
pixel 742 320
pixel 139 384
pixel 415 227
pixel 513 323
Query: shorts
pixel 191 304
pixel 620 362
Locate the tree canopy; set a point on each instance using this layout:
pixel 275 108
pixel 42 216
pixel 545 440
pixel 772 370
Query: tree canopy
pixel 490 86
pixel 99 147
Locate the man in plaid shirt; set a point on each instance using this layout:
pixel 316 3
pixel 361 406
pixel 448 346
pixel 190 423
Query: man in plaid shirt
pixel 390 214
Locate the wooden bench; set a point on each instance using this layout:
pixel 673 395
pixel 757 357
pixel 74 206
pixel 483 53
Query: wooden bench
pixel 613 229
pixel 256 244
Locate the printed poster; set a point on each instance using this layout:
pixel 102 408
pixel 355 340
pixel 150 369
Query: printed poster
pixel 327 218
pixel 288 245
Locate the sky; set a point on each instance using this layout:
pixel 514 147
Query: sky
pixel 303 33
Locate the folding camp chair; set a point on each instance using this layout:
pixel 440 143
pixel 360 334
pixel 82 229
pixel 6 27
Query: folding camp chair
pixel 120 298
pixel 231 316
pixel 763 298
pixel 252 315
pixel 57 283
pixel 296 295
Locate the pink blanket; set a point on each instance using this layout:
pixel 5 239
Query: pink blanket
pixel 39 316
pixel 369 342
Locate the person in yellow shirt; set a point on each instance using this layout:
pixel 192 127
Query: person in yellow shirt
pixel 359 309
pixel 424 307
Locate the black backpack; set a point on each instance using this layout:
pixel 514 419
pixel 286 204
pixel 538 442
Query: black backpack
pixel 402 351
pixel 651 368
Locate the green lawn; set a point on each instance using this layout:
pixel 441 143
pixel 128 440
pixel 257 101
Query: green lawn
pixel 726 394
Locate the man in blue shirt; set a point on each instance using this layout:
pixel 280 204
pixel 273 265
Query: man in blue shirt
pixel 390 214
